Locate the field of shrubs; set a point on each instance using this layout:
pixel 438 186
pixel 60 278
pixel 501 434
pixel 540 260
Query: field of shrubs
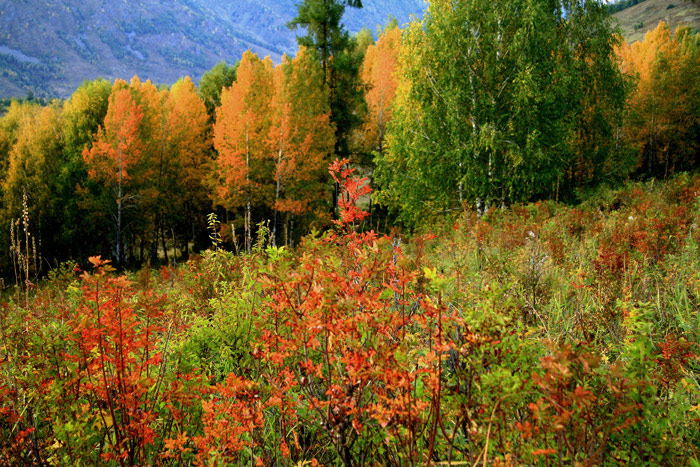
pixel 541 334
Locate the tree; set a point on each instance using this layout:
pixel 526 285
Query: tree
pixel 213 82
pixel 598 90
pixel 245 165
pixel 664 121
pixel 83 114
pixel 321 18
pixel 486 108
pixel 9 124
pixel 155 174
pixel 340 64
pixel 364 38
pixel 190 140
pixel 302 136
pixel 33 168
pixel 378 75
pixel 115 151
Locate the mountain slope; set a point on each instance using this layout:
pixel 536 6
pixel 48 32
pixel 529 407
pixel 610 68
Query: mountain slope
pixel 51 46
pixel 637 20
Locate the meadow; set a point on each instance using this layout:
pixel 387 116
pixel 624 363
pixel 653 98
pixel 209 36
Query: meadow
pixel 541 334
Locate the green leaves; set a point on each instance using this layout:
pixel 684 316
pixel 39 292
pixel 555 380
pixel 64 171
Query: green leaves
pixel 488 109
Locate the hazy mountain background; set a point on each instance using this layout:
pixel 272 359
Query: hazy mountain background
pixel 49 47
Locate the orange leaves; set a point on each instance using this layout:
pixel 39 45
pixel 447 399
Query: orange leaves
pixel 353 189
pixel 301 135
pixel 189 142
pixel 118 144
pixel 177 446
pixel 120 377
pixel 665 69
pixel 240 132
pixel 377 73
pixel 273 135
pixel 332 336
pixel 544 452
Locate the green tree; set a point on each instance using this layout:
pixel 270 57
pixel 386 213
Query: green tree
pixel 213 82
pixel 80 198
pixel 339 61
pixel 489 99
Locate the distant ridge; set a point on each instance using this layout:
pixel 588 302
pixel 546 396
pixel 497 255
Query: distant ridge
pixel 49 47
pixel 637 20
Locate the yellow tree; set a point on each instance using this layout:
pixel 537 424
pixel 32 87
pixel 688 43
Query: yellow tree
pixel 33 168
pixel 9 124
pixel 665 69
pixel 116 150
pixel 190 142
pixel 241 133
pixel 301 137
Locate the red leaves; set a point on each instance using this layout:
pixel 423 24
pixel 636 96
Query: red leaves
pixel 230 420
pixel 121 368
pixel 544 452
pixel 581 408
pixel 676 355
pixel 353 189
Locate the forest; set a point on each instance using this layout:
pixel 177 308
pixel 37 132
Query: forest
pixel 467 240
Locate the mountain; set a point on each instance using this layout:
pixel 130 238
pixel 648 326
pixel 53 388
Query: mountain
pixel 636 20
pixel 50 46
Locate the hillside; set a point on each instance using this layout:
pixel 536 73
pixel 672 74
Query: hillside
pixel 635 21
pixel 50 47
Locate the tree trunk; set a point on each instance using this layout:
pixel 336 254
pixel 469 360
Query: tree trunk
pixel 277 196
pixel 165 248
pixel 248 239
pixel 119 211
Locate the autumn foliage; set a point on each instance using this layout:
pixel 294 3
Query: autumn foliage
pixel 357 349
pixel 663 122
pixel 224 299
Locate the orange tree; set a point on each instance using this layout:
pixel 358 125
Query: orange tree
pixel 245 163
pixel 115 152
pixel 663 121
pixel 302 137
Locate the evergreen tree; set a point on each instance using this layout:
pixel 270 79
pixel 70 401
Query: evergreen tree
pixel 339 62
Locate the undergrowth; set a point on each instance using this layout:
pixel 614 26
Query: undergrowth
pixel 538 335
